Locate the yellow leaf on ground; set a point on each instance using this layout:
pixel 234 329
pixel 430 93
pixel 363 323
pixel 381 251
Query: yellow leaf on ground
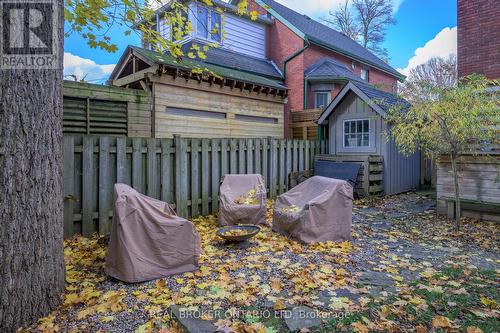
pixel 421 329
pixel 442 322
pixel 359 327
pixel 474 329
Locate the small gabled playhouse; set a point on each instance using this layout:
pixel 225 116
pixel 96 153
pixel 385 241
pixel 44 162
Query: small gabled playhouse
pixel 356 123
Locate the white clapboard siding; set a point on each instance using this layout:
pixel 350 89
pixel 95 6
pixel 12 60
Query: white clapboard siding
pixel 244 36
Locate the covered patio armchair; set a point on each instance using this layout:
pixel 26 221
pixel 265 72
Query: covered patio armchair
pixel 148 240
pixel 242 200
pixel 317 210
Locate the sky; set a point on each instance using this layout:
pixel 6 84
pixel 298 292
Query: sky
pixel 423 29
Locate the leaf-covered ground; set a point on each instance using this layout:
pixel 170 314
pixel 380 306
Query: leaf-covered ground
pixel 405 271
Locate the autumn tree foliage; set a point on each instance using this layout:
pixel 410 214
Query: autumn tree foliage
pixel 455 121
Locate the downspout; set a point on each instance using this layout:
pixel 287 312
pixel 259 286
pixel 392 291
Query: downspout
pixel 293 56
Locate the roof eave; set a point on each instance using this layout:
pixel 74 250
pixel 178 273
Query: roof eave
pixel 318 42
pixel 340 96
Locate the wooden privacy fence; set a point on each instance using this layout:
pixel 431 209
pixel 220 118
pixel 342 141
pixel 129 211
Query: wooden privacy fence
pixel 105 110
pixel 371 174
pixel 303 124
pixel 183 172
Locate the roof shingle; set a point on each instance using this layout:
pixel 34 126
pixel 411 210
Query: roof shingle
pixel 322 34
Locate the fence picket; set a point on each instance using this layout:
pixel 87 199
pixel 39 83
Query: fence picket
pixel 264 162
pixel 215 163
pixel 205 177
pixel 233 164
pixel 223 158
pixel 69 184
pixel 249 156
pixel 152 173
pixel 105 186
pixel 258 154
pixel 137 164
pixel 195 180
pixel 166 171
pixel 241 156
pixel 281 183
pixel 301 155
pixel 273 167
pixel 87 186
pixel 121 160
pixel 295 163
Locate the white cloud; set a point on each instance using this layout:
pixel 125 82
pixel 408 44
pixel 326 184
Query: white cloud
pixel 442 45
pixel 320 8
pixel 86 68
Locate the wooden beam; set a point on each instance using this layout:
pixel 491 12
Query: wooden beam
pixel 145 86
pixel 204 86
pixel 134 77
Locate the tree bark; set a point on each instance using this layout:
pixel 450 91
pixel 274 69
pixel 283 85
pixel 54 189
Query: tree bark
pixel 458 211
pixel 31 227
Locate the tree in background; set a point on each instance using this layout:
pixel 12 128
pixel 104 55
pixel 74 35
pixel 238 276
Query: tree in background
pixel 423 80
pixel 364 21
pixel 456 121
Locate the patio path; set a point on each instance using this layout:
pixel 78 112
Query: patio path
pixel 406 270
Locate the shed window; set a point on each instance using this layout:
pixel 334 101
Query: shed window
pixel 321 99
pixel 357 133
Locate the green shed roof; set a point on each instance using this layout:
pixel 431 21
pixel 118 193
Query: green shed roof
pixel 188 64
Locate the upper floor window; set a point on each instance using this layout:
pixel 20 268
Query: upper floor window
pixel 365 74
pixel 321 99
pixel 357 133
pixel 209 24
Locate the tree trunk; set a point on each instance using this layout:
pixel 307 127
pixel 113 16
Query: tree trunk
pixel 31 228
pixel 458 211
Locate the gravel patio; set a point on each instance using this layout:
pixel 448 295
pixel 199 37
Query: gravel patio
pixel 405 271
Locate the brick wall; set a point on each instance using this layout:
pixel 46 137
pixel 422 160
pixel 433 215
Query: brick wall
pixel 479 37
pixel 283 42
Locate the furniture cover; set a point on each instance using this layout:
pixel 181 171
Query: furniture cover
pixel 148 240
pixel 317 210
pixel 236 186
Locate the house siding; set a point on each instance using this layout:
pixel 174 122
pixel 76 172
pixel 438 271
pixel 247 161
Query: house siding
pixel 478 37
pixel 244 36
pixel 401 173
pixel 198 101
pixel 351 108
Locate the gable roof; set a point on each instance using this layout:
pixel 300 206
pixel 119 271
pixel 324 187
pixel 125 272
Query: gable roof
pixel 330 68
pixel 325 36
pixel 380 101
pixel 225 58
pixel 152 58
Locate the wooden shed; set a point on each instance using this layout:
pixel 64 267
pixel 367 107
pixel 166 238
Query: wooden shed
pixel 197 99
pixel 355 121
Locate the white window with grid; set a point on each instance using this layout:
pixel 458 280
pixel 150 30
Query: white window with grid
pixel 321 99
pixel 356 133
